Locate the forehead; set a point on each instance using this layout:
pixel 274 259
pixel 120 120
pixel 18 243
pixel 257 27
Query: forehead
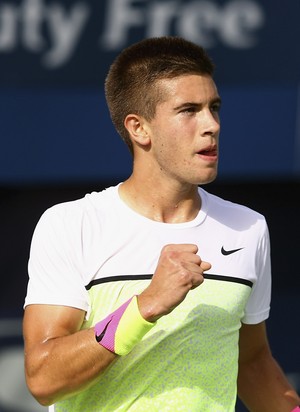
pixel 192 87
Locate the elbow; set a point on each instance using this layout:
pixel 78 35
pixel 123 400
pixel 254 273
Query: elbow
pixel 39 381
pixel 40 391
pixel 40 387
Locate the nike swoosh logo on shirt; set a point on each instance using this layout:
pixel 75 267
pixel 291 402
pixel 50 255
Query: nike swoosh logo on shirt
pixel 229 252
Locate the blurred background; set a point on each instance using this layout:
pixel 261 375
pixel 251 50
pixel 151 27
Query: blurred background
pixel 57 141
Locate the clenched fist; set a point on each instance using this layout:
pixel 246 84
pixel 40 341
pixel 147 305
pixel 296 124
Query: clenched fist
pixel 179 270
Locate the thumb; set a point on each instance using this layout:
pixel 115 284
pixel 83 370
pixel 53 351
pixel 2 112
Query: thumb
pixel 205 265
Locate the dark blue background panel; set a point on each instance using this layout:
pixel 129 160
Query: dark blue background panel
pixel 259 132
pixel 58 136
pixel 67 136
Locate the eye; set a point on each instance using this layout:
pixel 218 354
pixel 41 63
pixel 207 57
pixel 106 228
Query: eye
pixel 216 107
pixel 189 110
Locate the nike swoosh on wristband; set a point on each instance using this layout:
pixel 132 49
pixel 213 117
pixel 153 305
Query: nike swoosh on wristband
pixel 229 252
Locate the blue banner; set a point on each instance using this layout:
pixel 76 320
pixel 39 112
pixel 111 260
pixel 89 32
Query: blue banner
pixel 54 55
pixel 72 43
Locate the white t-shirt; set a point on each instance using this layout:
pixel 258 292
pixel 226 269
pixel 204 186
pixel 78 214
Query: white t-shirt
pixel 94 253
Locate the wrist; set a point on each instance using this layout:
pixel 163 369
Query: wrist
pixel 151 309
pixel 120 331
pixel 147 309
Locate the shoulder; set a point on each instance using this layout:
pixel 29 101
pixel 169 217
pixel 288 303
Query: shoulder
pixel 90 202
pixel 218 203
pixel 235 215
pixel 80 212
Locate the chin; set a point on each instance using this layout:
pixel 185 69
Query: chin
pixel 204 180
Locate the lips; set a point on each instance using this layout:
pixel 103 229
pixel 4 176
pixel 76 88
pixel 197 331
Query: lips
pixel 209 154
pixel 209 151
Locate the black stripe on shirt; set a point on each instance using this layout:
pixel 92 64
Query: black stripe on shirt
pixel 149 276
pixel 228 279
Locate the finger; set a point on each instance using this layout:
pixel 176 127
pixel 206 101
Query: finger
pixel 181 247
pixel 197 281
pixel 205 265
pixel 196 266
pixel 196 259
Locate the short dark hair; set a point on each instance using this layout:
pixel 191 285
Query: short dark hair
pixel 130 86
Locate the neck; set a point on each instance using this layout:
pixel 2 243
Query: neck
pixel 171 204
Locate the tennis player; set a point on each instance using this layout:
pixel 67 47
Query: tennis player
pixel 152 295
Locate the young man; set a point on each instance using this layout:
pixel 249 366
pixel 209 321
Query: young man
pixel 152 295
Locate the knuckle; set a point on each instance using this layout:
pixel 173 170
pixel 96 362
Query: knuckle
pixel 185 276
pixel 170 253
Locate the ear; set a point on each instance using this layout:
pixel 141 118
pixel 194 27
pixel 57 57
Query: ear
pixel 137 127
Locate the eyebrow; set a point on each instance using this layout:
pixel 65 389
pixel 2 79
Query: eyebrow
pixel 217 100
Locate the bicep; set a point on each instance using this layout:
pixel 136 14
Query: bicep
pixel 44 322
pixel 253 342
pixel 254 354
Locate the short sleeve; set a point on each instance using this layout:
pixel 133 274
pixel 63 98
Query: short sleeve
pixel 53 268
pixel 258 306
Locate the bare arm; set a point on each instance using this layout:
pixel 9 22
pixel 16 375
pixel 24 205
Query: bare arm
pixel 61 360
pixel 262 385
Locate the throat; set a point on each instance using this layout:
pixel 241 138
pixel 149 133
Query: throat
pixel 175 214
pixel 164 208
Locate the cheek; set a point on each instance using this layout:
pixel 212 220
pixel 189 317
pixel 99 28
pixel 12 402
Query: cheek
pixel 170 140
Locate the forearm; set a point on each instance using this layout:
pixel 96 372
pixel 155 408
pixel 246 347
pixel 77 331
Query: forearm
pixel 63 366
pixel 263 387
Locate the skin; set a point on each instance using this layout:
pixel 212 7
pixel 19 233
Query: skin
pixel 173 153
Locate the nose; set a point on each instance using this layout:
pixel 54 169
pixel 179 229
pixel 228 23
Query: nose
pixel 210 122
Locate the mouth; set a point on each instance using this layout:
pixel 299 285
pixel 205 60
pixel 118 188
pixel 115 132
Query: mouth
pixel 209 153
